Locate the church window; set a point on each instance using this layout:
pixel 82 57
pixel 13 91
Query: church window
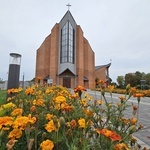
pixel 67 43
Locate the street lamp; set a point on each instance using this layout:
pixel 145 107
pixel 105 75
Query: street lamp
pixel 14 70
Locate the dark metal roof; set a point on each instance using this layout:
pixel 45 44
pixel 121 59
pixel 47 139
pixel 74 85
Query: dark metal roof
pixel 102 66
pixel 68 12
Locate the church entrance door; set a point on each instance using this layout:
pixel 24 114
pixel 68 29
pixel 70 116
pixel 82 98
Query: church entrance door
pixel 67 82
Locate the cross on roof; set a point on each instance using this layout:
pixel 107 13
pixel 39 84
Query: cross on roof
pixel 68 6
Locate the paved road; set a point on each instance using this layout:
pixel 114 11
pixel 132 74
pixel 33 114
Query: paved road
pixel 144 115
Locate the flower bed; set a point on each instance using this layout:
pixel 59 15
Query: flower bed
pixel 53 118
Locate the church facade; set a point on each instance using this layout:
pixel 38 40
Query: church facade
pixel 65 57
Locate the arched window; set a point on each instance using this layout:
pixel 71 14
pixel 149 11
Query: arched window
pixel 67 43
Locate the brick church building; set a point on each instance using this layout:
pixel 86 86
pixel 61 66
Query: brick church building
pixel 66 58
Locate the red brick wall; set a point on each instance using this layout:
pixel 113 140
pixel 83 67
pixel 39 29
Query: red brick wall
pixel 101 74
pixel 54 53
pixel 80 56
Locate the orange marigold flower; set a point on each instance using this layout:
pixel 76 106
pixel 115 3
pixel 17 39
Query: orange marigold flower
pixel 33 108
pixel 133 90
pixel 138 95
pixel 122 98
pixel 23 121
pixel 17 112
pixel 30 91
pixel 50 126
pixel 39 102
pixel 79 88
pixel 47 145
pixel 4 121
pixel 109 134
pixel 133 121
pixel 124 120
pixel 101 82
pixel 15 133
pixel 81 123
pixel 121 146
pixel 67 107
pixel 73 124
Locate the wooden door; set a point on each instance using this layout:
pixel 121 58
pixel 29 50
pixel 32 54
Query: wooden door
pixel 67 82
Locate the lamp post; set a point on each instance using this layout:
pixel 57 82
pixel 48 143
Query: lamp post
pixel 14 70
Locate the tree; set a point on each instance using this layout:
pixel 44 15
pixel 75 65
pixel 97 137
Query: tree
pixel 130 78
pixel 1 80
pixel 120 80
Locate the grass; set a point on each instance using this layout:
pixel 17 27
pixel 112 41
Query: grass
pixel 2 96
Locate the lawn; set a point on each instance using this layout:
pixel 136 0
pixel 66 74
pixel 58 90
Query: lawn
pixel 2 96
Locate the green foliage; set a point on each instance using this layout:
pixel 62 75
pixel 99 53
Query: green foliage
pixel 121 81
pixel 2 96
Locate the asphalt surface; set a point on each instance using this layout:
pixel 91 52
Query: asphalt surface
pixel 143 136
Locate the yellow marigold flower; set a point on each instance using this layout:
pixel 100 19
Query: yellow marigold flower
pixel 32 120
pixel 9 105
pixel 100 102
pixel 15 133
pixel 47 145
pixel 81 123
pixel 50 126
pixel 49 116
pixel 17 112
pixel 88 112
pixel 83 102
pixel 6 121
pixel 111 87
pixel 60 99
pixel 121 146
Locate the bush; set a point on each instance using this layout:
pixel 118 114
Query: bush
pixel 47 118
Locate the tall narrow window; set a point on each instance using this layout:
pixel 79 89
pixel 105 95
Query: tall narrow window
pixel 67 43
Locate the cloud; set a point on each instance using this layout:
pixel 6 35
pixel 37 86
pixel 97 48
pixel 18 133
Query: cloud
pixel 117 30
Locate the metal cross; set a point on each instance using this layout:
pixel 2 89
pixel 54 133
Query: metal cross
pixel 68 6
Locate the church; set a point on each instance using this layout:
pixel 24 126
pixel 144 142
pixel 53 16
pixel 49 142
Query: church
pixel 66 58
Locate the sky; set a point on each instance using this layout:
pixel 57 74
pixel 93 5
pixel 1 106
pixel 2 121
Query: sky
pixel 117 30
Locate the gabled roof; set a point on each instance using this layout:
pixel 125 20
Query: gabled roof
pixel 67 72
pixel 102 66
pixel 69 13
